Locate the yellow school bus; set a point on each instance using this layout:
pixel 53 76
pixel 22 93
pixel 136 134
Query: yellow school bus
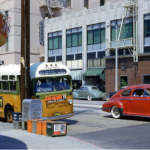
pixel 50 82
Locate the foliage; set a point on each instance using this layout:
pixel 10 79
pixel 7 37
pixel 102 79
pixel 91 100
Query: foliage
pixel 123 83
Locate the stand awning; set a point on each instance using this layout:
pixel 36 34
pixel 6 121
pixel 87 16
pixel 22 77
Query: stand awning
pixel 76 74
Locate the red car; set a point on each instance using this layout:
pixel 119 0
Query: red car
pixel 134 100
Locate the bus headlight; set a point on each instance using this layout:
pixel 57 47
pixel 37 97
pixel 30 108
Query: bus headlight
pixel 70 101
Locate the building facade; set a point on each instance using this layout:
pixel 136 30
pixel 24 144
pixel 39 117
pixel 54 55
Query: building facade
pixel 85 41
pixel 39 9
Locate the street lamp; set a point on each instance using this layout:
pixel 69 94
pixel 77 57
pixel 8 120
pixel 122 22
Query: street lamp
pixel 116 61
pixel 116 58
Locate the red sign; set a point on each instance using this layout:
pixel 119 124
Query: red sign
pixel 53 98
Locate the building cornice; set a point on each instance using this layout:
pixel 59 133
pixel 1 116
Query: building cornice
pixel 127 56
pixel 18 52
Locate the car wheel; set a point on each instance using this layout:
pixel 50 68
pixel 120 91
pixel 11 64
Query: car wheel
pixel 89 97
pixel 115 112
pixel 9 116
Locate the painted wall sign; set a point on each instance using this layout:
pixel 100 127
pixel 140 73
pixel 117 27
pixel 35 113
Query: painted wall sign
pixel 41 27
pixel 6 25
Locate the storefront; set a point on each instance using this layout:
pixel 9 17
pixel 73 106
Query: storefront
pixel 76 78
pixel 132 73
pixel 96 77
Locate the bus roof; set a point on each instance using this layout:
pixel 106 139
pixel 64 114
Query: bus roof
pixel 14 70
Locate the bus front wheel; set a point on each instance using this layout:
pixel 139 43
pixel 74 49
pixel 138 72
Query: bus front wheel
pixel 9 116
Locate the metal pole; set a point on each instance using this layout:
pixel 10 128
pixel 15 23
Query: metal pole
pixel 22 79
pixel 27 60
pixel 116 62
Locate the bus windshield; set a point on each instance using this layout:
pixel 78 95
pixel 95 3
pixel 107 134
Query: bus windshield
pixel 52 84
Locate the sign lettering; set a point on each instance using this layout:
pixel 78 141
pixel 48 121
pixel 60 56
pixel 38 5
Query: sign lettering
pixel 41 26
pixel 6 26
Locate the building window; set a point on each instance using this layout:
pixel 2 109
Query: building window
pixel 123 81
pixel 146 79
pixel 74 37
pixel 96 34
pixel 86 4
pixel 147 25
pixel 94 62
pixel 127 29
pixel 6 44
pixel 68 3
pixel 102 2
pixel 74 64
pixel 55 43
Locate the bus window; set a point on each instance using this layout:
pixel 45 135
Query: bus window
pixel 4 77
pixel 0 86
pixel 44 85
pixel 11 77
pixel 13 86
pixel 61 84
pixel 5 86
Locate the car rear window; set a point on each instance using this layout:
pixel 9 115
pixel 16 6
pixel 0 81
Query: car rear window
pixel 94 88
pixel 126 93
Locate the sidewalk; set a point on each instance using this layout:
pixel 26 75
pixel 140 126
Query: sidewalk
pixel 20 139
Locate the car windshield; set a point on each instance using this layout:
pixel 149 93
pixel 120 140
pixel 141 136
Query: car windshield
pixel 50 85
pixel 94 88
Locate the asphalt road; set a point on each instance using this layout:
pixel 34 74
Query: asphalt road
pixel 93 126
pixel 90 128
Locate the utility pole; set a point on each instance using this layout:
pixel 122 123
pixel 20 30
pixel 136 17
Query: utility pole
pixel 25 49
pixel 27 60
pixel 22 80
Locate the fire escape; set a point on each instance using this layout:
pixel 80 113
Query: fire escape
pixel 130 9
pixel 50 8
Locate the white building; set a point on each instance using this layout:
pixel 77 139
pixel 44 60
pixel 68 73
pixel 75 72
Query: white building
pixel 11 51
pixel 85 41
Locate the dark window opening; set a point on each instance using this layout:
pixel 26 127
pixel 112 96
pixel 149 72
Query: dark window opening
pixel 147 28
pixel 123 81
pixel 68 3
pixel 102 2
pixel 86 4
pixel 5 86
pixel 70 57
pixel 146 79
pixel 13 86
pixel 51 59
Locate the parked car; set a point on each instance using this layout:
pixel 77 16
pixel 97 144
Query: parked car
pixel 112 93
pixel 133 100
pixel 88 92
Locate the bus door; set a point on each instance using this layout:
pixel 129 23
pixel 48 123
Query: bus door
pixel 1 102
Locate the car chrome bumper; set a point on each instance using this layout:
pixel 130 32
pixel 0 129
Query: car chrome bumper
pixel 59 117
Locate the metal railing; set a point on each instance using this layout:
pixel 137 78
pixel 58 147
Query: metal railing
pixel 125 43
pixel 131 2
pixel 50 3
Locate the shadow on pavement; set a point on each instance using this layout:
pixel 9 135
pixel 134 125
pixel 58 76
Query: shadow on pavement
pixel 11 143
pixel 69 122
pixel 2 120
pixel 131 118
